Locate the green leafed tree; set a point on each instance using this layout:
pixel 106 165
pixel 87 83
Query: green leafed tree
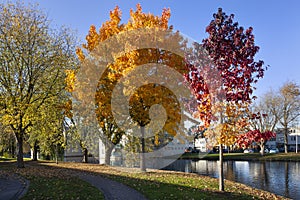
pixel 33 58
pixel 7 142
pixel 46 132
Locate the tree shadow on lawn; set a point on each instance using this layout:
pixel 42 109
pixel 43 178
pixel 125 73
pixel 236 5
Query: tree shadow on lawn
pixel 46 182
pixel 154 185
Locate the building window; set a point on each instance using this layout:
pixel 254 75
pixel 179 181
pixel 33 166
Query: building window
pixel 293 138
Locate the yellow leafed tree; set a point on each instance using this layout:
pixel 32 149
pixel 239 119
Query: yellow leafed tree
pixel 33 58
pixel 124 64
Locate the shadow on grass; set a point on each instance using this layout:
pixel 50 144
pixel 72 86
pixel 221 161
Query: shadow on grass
pixel 151 184
pixel 48 182
pixel 6 159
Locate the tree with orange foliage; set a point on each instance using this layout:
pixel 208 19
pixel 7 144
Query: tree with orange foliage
pixel 124 64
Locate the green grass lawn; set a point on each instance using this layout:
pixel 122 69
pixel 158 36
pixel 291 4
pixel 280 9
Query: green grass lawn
pixel 59 188
pixel 59 181
pixel 155 185
pixel 159 184
pixel 50 182
pixel 5 159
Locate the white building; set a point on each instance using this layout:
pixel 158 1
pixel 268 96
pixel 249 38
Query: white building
pixel 293 139
pixel 200 144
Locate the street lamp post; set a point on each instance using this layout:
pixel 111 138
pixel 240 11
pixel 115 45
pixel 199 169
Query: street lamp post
pixel 297 130
pixel 296 135
pixel 297 143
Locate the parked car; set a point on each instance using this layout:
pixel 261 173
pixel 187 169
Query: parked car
pixel 274 150
pixel 266 150
pixel 248 151
pixel 195 151
pixel 188 150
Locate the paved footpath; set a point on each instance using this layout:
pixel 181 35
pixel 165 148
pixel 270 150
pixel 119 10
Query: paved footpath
pixel 112 190
pixel 12 187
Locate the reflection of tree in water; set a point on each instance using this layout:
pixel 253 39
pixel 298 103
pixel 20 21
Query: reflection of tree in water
pixel 286 179
pixel 230 170
pixel 277 177
pixel 264 176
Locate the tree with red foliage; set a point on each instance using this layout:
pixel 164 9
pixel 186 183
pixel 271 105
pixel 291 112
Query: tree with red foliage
pixel 245 140
pixel 232 50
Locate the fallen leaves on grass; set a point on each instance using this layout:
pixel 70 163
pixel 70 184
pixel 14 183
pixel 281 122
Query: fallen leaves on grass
pixel 155 184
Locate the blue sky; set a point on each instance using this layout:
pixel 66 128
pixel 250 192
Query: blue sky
pixel 276 25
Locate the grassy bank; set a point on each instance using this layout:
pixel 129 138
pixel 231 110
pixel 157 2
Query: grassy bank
pixel 246 157
pixel 60 188
pixel 50 183
pixel 155 184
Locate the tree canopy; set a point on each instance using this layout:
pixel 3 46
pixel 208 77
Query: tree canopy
pixel 33 58
pixel 124 64
pixel 232 50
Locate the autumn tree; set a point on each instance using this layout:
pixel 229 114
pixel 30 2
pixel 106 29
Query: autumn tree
pixel 77 131
pixel 140 106
pixel 125 63
pixel 7 142
pixel 111 133
pixel 33 58
pixel 246 139
pixel 285 106
pixel 232 50
pixel 260 126
pixel 232 120
pixel 46 132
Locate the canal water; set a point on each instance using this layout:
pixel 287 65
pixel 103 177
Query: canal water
pixel 282 178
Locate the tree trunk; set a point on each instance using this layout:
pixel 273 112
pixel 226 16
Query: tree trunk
pixel 20 161
pixel 85 155
pixel 142 154
pixel 108 150
pixel 56 154
pixel 262 149
pixel 35 151
pixel 12 148
pixel 221 170
pixel 286 139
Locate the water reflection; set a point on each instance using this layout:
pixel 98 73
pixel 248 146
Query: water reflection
pixel 282 178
